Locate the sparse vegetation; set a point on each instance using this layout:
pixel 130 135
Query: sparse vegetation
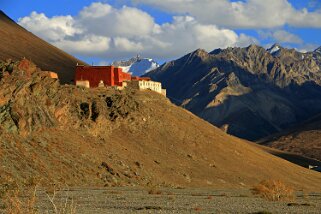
pixel 11 195
pixel 23 199
pixel 273 190
pixel 65 206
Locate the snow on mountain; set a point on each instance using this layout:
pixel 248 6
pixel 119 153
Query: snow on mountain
pixel 137 66
pixel 318 50
pixel 274 49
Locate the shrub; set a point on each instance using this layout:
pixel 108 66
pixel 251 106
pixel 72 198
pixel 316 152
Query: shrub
pixel 22 199
pixel 273 190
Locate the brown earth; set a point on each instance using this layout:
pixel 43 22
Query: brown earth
pixel 95 137
pixel 17 43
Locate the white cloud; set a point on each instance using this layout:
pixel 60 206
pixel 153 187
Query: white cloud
pixel 95 10
pixel 51 29
pixel 103 19
pixel 241 14
pixel 244 40
pixel 103 31
pixel 286 37
pixel 126 45
pixel 185 34
pixel 90 45
pixel 281 36
pixel 307 47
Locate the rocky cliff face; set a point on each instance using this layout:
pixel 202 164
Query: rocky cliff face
pixel 249 92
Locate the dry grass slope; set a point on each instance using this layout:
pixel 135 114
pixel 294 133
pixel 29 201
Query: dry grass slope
pixel 17 43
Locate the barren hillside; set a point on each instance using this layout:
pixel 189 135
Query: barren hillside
pixel 95 137
pixel 17 43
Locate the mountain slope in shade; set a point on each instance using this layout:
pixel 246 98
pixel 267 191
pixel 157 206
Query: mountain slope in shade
pixel 318 50
pixel 17 43
pixel 303 139
pixel 249 92
pixel 95 137
pixel 137 66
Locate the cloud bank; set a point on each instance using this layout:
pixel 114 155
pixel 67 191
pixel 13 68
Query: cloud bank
pixel 241 14
pixel 103 31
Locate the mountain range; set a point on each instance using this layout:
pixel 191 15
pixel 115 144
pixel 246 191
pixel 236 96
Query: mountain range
pixel 248 92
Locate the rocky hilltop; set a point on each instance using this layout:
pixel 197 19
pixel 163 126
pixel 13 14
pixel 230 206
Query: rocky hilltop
pixel 17 43
pixel 249 92
pixel 101 137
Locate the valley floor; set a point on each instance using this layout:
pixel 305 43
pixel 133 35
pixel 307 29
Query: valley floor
pixel 149 200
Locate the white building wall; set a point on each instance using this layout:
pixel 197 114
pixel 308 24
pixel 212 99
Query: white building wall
pixel 83 83
pixel 154 86
pixel 147 85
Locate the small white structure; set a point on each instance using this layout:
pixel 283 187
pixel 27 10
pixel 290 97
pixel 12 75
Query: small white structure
pixel 83 83
pixel 101 84
pixel 154 86
pixel 147 85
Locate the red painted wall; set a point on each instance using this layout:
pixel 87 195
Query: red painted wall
pixel 120 76
pixel 94 74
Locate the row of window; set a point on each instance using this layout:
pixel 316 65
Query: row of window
pixel 150 84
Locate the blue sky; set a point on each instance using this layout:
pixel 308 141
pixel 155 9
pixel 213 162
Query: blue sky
pixel 166 29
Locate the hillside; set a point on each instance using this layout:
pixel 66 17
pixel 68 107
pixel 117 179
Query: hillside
pixel 303 139
pixel 248 92
pixel 17 43
pixel 95 137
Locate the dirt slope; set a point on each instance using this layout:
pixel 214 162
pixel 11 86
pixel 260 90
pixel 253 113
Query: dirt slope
pixel 86 137
pixel 16 43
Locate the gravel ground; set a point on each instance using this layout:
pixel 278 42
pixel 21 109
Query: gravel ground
pixel 138 200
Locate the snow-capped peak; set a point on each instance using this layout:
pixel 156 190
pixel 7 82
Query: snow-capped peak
pixel 137 66
pixel 274 49
pixel 318 50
